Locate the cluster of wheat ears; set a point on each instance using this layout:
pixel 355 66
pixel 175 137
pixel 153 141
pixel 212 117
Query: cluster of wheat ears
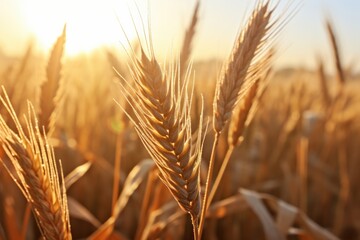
pixel 158 102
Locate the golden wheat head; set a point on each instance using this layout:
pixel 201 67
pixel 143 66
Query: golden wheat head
pixel 246 55
pixel 36 173
pixel 162 109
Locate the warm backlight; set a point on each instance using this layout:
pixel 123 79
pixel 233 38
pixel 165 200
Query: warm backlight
pixel 90 23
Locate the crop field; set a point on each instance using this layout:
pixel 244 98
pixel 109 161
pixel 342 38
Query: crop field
pixel 122 144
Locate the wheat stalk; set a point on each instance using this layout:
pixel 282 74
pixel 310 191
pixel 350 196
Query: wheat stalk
pixel 36 173
pixel 164 126
pixel 244 65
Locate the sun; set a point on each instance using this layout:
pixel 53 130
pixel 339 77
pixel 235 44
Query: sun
pixel 90 23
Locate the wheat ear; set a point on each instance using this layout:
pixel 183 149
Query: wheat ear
pixel 163 124
pixel 36 173
pixel 50 90
pixel 188 40
pixel 336 52
pixel 323 84
pixel 237 126
pixel 248 48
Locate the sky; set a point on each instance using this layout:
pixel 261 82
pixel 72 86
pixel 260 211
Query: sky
pixel 94 22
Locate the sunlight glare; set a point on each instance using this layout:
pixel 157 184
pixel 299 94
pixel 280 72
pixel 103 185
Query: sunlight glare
pixel 90 23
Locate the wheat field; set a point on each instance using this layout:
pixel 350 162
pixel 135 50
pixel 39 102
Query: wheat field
pixel 107 145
